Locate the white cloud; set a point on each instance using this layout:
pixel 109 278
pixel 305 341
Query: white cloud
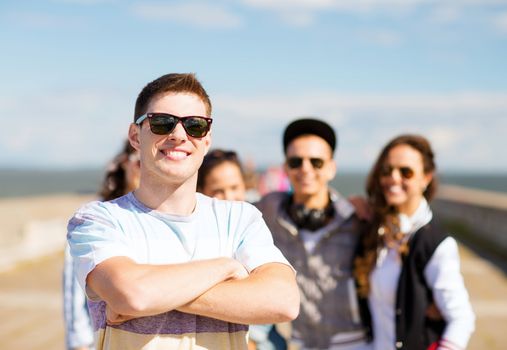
pixel 381 37
pixel 199 14
pixel 453 122
pixel 339 5
pixel 445 14
pixel 291 4
pixel 501 22
pixel 63 128
pixel 342 6
pixel 365 5
pixel 298 19
pixel 86 127
pixel 440 11
pixel 445 137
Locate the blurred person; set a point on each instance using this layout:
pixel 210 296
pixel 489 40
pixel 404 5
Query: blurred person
pixel 221 176
pixel 274 179
pixel 408 266
pixel 318 231
pixel 122 176
pixel 251 176
pixel 165 267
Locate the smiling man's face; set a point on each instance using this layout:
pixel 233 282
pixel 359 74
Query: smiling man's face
pixel 175 157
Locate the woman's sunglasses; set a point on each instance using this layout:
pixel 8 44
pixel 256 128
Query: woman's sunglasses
pixel 405 171
pixel 297 162
pixel 164 123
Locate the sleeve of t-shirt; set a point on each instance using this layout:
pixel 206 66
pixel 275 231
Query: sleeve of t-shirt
pixel 256 245
pixel 93 237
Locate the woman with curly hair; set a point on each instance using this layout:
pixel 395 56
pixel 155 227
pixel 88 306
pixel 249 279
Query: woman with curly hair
pixel 407 268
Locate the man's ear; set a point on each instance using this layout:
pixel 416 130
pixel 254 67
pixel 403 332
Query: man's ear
pixel 333 166
pixel 207 142
pixel 134 131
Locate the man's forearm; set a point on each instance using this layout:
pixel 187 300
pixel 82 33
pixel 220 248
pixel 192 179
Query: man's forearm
pixel 144 290
pixel 268 295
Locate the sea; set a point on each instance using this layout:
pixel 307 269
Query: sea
pixel 21 183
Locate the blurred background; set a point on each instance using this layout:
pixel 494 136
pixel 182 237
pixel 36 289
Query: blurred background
pixel 71 71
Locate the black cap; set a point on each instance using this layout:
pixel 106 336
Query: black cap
pixel 309 126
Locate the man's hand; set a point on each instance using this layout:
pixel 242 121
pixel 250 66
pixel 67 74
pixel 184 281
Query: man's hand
pixel 239 273
pixel 433 313
pixel 114 319
pixel 363 209
pixel 271 291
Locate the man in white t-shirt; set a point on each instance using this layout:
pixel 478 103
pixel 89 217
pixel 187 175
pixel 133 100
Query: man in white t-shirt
pixel 167 268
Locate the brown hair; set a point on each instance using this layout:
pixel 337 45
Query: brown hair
pixel 174 82
pixel 371 240
pixel 115 183
pixel 212 160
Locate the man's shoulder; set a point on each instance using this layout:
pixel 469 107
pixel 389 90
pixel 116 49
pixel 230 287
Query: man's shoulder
pixel 271 201
pixel 342 205
pixel 98 210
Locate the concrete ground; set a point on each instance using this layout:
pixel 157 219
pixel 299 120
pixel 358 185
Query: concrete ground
pixel 31 308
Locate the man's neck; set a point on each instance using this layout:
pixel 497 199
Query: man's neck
pixel 175 199
pixel 318 200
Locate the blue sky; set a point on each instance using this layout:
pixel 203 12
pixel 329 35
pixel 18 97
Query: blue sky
pixel 71 70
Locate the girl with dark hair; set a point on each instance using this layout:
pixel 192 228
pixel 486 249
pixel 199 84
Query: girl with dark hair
pixel 407 268
pixel 221 176
pixel 122 176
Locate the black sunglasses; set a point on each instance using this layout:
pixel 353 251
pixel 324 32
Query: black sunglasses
pixel 405 171
pixel 164 123
pixel 297 162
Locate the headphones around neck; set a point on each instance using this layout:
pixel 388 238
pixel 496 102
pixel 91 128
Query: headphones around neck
pixel 308 218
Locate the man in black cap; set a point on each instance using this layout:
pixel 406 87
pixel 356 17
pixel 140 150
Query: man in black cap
pixel 317 230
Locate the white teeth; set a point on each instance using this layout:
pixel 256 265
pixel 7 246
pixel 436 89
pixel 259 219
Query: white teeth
pixel 175 154
pixel 395 189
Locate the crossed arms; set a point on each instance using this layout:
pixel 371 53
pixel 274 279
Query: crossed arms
pixel 220 288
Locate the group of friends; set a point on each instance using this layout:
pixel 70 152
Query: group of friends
pixel 173 257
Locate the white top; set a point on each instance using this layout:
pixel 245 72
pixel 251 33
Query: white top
pixel 125 227
pixel 443 276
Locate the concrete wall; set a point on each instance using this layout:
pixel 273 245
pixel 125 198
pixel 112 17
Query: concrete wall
pixel 479 216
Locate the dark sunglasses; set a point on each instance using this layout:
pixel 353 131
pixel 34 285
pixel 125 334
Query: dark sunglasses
pixel 405 171
pixel 296 162
pixel 164 123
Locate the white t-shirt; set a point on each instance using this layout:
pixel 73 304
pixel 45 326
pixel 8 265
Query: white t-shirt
pixel 125 227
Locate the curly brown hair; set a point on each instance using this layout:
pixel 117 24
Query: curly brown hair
pixel 371 240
